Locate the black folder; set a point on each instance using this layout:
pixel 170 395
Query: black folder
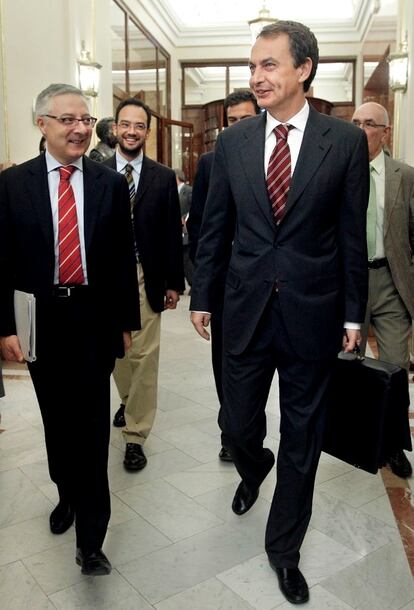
pixel 367 418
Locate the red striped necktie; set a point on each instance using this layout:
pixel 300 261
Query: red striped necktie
pixel 70 260
pixel 278 173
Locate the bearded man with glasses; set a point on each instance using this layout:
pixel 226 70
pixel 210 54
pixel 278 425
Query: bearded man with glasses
pixel 66 237
pixel 390 238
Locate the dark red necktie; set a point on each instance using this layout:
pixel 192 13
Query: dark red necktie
pixel 278 173
pixel 70 260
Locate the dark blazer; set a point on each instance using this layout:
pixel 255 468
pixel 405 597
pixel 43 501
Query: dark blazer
pixel 27 245
pixel 198 202
pixel 317 256
pixel 157 222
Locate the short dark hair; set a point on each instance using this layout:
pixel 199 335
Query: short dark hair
pixel 238 97
pixel 302 43
pixel 133 101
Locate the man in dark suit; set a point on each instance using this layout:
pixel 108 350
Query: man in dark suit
pixel 238 105
pixel 65 236
pixel 390 238
pixel 185 192
pixel 158 248
pixel 291 188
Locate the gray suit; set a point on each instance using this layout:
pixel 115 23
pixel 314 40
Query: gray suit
pixel 391 288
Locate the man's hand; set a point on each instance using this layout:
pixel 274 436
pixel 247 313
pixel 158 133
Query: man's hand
pixel 171 299
pixel 127 340
pixel 200 322
pixel 10 349
pixel 351 340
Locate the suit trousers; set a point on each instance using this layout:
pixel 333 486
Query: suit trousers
pixel 71 378
pixel 303 395
pixel 136 375
pixel 389 318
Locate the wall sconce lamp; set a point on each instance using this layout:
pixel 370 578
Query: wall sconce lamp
pixel 264 18
pixel 399 68
pixel 88 73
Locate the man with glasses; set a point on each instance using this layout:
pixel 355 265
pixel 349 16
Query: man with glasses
pixel 65 236
pixel 156 220
pixel 390 238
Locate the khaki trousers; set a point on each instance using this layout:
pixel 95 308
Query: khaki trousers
pixel 388 317
pixel 136 375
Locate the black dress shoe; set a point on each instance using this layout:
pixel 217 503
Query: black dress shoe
pixel 292 584
pixel 244 498
pixel 225 455
pixel 95 563
pixel 61 518
pixel 134 457
pixel 400 465
pixel 119 417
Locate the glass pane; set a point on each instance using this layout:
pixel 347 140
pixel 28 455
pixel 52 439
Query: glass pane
pixel 162 84
pixel 181 148
pixel 334 82
pixel 118 50
pixel 142 67
pixel 239 77
pixel 204 84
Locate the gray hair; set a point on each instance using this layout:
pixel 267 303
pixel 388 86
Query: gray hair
pixel 44 97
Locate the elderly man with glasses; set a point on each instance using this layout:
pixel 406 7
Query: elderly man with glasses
pixel 390 239
pixel 66 237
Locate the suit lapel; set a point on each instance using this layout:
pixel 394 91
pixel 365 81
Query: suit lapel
pixel 315 146
pixel 392 186
pixel 252 158
pixel 145 179
pixel 93 192
pixel 39 197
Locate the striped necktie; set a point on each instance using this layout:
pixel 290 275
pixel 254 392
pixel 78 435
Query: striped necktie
pixel 278 173
pixel 131 185
pixel 70 260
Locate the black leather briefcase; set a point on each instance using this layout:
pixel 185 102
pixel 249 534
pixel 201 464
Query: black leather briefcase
pixel 368 413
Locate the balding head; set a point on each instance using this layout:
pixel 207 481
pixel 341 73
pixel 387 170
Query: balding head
pixel 373 118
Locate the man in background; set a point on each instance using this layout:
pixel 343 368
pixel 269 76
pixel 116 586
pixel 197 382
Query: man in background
pixel 156 221
pixel 185 194
pixel 237 106
pixel 390 238
pixel 65 236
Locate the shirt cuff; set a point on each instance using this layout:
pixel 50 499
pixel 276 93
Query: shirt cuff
pixel 352 325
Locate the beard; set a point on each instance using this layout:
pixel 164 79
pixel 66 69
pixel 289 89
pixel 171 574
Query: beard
pixel 131 151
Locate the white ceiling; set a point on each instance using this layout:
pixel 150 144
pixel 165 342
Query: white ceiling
pixel 210 22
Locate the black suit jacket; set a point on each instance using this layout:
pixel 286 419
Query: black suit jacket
pixel 317 256
pixel 198 202
pixel 27 257
pixel 157 222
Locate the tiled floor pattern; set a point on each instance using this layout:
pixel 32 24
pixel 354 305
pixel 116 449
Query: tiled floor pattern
pixel 173 540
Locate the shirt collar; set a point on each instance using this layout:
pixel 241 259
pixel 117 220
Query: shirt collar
pixel 121 162
pixel 378 164
pixel 52 163
pixel 298 121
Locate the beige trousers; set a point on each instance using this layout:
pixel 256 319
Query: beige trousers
pixel 136 375
pixel 389 319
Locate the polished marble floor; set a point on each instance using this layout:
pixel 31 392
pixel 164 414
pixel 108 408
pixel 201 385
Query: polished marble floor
pixel 173 540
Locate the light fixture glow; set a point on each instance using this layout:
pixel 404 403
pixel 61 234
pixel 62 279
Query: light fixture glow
pixel 399 68
pixel 88 73
pixel 264 18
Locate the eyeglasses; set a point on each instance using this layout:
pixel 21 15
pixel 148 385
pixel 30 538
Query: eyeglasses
pixel 369 124
pixel 70 121
pixel 134 126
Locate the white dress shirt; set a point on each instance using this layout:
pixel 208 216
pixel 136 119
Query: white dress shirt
pixel 378 175
pixel 136 164
pixel 76 181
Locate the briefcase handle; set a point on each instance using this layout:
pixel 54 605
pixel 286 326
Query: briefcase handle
pixel 353 356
